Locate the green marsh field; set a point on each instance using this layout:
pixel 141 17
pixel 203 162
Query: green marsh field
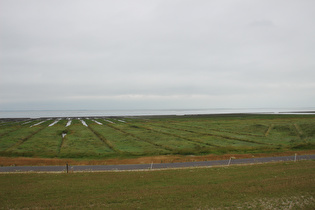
pixel 116 137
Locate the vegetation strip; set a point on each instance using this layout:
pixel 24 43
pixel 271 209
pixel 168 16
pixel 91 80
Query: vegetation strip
pixel 3 134
pixel 23 140
pixel 140 139
pixel 104 140
pixel 61 144
pixel 226 131
pixel 269 129
pixel 298 130
pixel 222 136
pixel 181 137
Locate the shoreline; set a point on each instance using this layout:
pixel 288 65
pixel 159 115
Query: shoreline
pixel 163 115
pixel 149 112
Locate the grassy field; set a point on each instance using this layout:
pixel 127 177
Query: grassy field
pixel 288 185
pixel 154 136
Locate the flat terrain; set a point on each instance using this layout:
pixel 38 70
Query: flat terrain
pixel 287 185
pixel 102 138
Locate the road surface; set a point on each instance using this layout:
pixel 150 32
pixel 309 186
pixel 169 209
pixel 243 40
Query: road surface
pixel 153 166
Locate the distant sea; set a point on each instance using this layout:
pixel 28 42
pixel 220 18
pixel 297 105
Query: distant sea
pixel 147 112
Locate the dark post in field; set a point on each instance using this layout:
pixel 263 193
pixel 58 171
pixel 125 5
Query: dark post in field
pixel 67 167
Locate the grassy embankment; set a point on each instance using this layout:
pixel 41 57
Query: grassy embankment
pixel 288 185
pixel 156 136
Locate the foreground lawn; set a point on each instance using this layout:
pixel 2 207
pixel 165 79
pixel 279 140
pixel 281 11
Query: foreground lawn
pixel 286 185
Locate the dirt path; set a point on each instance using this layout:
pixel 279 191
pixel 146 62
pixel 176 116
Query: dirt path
pixel 24 161
pixel 94 168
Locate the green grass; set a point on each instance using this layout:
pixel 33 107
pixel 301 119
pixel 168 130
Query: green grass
pixel 159 135
pixel 46 142
pixel 122 142
pixel 208 136
pixel 288 185
pixel 6 128
pixel 82 142
pixel 165 140
pixel 10 142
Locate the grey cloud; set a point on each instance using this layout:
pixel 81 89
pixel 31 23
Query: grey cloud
pixel 262 23
pixel 205 53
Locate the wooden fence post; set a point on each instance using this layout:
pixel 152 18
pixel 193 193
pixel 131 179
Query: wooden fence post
pixel 230 160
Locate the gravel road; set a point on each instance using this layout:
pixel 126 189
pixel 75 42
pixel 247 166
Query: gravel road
pixel 153 166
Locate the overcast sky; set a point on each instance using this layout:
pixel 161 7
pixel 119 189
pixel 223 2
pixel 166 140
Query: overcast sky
pixel 156 54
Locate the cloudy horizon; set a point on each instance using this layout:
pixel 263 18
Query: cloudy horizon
pixel 118 54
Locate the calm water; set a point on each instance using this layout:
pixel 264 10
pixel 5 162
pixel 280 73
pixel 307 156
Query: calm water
pixel 107 113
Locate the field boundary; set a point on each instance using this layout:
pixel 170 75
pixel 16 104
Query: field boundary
pixel 159 166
